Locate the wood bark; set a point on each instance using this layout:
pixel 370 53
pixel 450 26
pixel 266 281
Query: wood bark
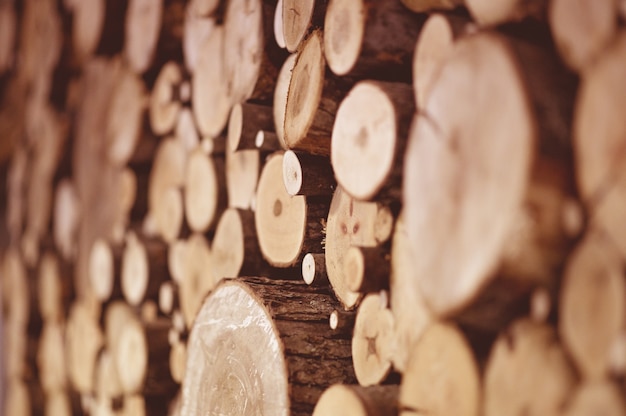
pixel 312 100
pixel 369 138
pixel 370 39
pixel 341 399
pixel 367 268
pixel 287 353
pixel 527 371
pixel 246 119
pixel 281 93
pixel 441 376
pixel 308 175
pixel 314 269
pixel 287 226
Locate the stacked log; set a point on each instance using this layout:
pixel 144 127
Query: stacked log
pixel 326 207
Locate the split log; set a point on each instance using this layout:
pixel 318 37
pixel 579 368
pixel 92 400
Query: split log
pixel 197 28
pixel 592 307
pixel 198 279
pixel 170 92
pixel 51 361
pixel 66 216
pixel 492 221
pixel 432 49
pixel 527 371
pixel 205 190
pixel 294 351
pixel 280 97
pixel 340 399
pixel 314 269
pixel 287 226
pixel 487 13
pixel 599 398
pixel 369 138
pixel 441 376
pixel 143 268
pixel 411 315
pixel 209 86
pixel 349 223
pixel 582 30
pixel 372 340
pixel 599 140
pixel 309 175
pixel 367 269
pixel 105 269
pixel 370 39
pixel 299 19
pixel 246 119
pixel 83 342
pixel 152 30
pixel 421 6
pixel 312 100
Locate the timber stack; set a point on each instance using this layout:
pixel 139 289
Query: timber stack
pixel 243 207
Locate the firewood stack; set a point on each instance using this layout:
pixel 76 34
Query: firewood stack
pixel 267 207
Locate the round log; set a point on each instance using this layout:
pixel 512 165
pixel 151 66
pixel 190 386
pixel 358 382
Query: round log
pixel 599 398
pixel 205 190
pixel 367 268
pixel 197 28
pixel 299 18
pixel 246 119
pixel 166 98
pixel 314 269
pixel 487 13
pixel 66 217
pixel 105 268
pixel 308 175
pixel 341 399
pixel 83 342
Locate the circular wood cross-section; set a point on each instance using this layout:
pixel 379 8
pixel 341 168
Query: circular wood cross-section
pixel 343 28
pixel 280 218
pixel 164 103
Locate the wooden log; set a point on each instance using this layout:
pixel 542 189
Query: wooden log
pixel 421 6
pixel 51 361
pixel 152 30
pixel 54 289
pixel 197 28
pixel 243 168
pixel 372 340
pixel 17 399
pixel 83 342
pixel 58 403
pixel 177 361
pixel 367 269
pixel 314 269
pixel 279 34
pixel 198 279
pixel 312 100
pixel 267 141
pixel 369 138
pixel 534 193
pixel 308 175
pixel 341 321
pixel 527 371
pixel 599 161
pixel 411 314
pixel 17 175
pixel 65 218
pixel 441 376
pixel 246 119
pixel 107 384
pixel 143 268
pixel 582 31
pixel 168 297
pixel 287 226
pixel 299 19
pixel 209 86
pixel 96 27
pixel 341 399
pixel 370 39
pixel 177 259
pixel 600 397
pixel 8 23
pixel 489 14
pixel 592 307
pixel 433 46
pixel 169 93
pixel 349 223
pixel 186 131
pixel 205 190
pixel 204 7
pixel 288 340
pixel 280 98
pixel 105 268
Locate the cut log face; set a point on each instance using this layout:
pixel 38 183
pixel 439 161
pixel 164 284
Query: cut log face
pixel 280 218
pixel 209 86
pixel 468 198
pixel 527 371
pixel 142 27
pixel 242 176
pixel 597 398
pixel 370 130
pixel 279 34
pixel 131 356
pixel 53 292
pixel 246 357
pixel 197 29
pixel 488 13
pixel 135 270
pixel 349 223
pixel 243 46
pixel 314 269
pixel 296 17
pixel 66 216
pixel 202 191
pixel 51 361
pixel 165 102
pixel 441 376
pixel 102 271
pixel 198 280
pixel 582 30
pixel 344 27
pixel 372 340
pixel 305 174
pixel 185 130
pixel 592 307
pixel 280 97
pixel 344 400
pixel 83 341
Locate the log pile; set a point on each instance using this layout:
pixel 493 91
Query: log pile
pixel 360 207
